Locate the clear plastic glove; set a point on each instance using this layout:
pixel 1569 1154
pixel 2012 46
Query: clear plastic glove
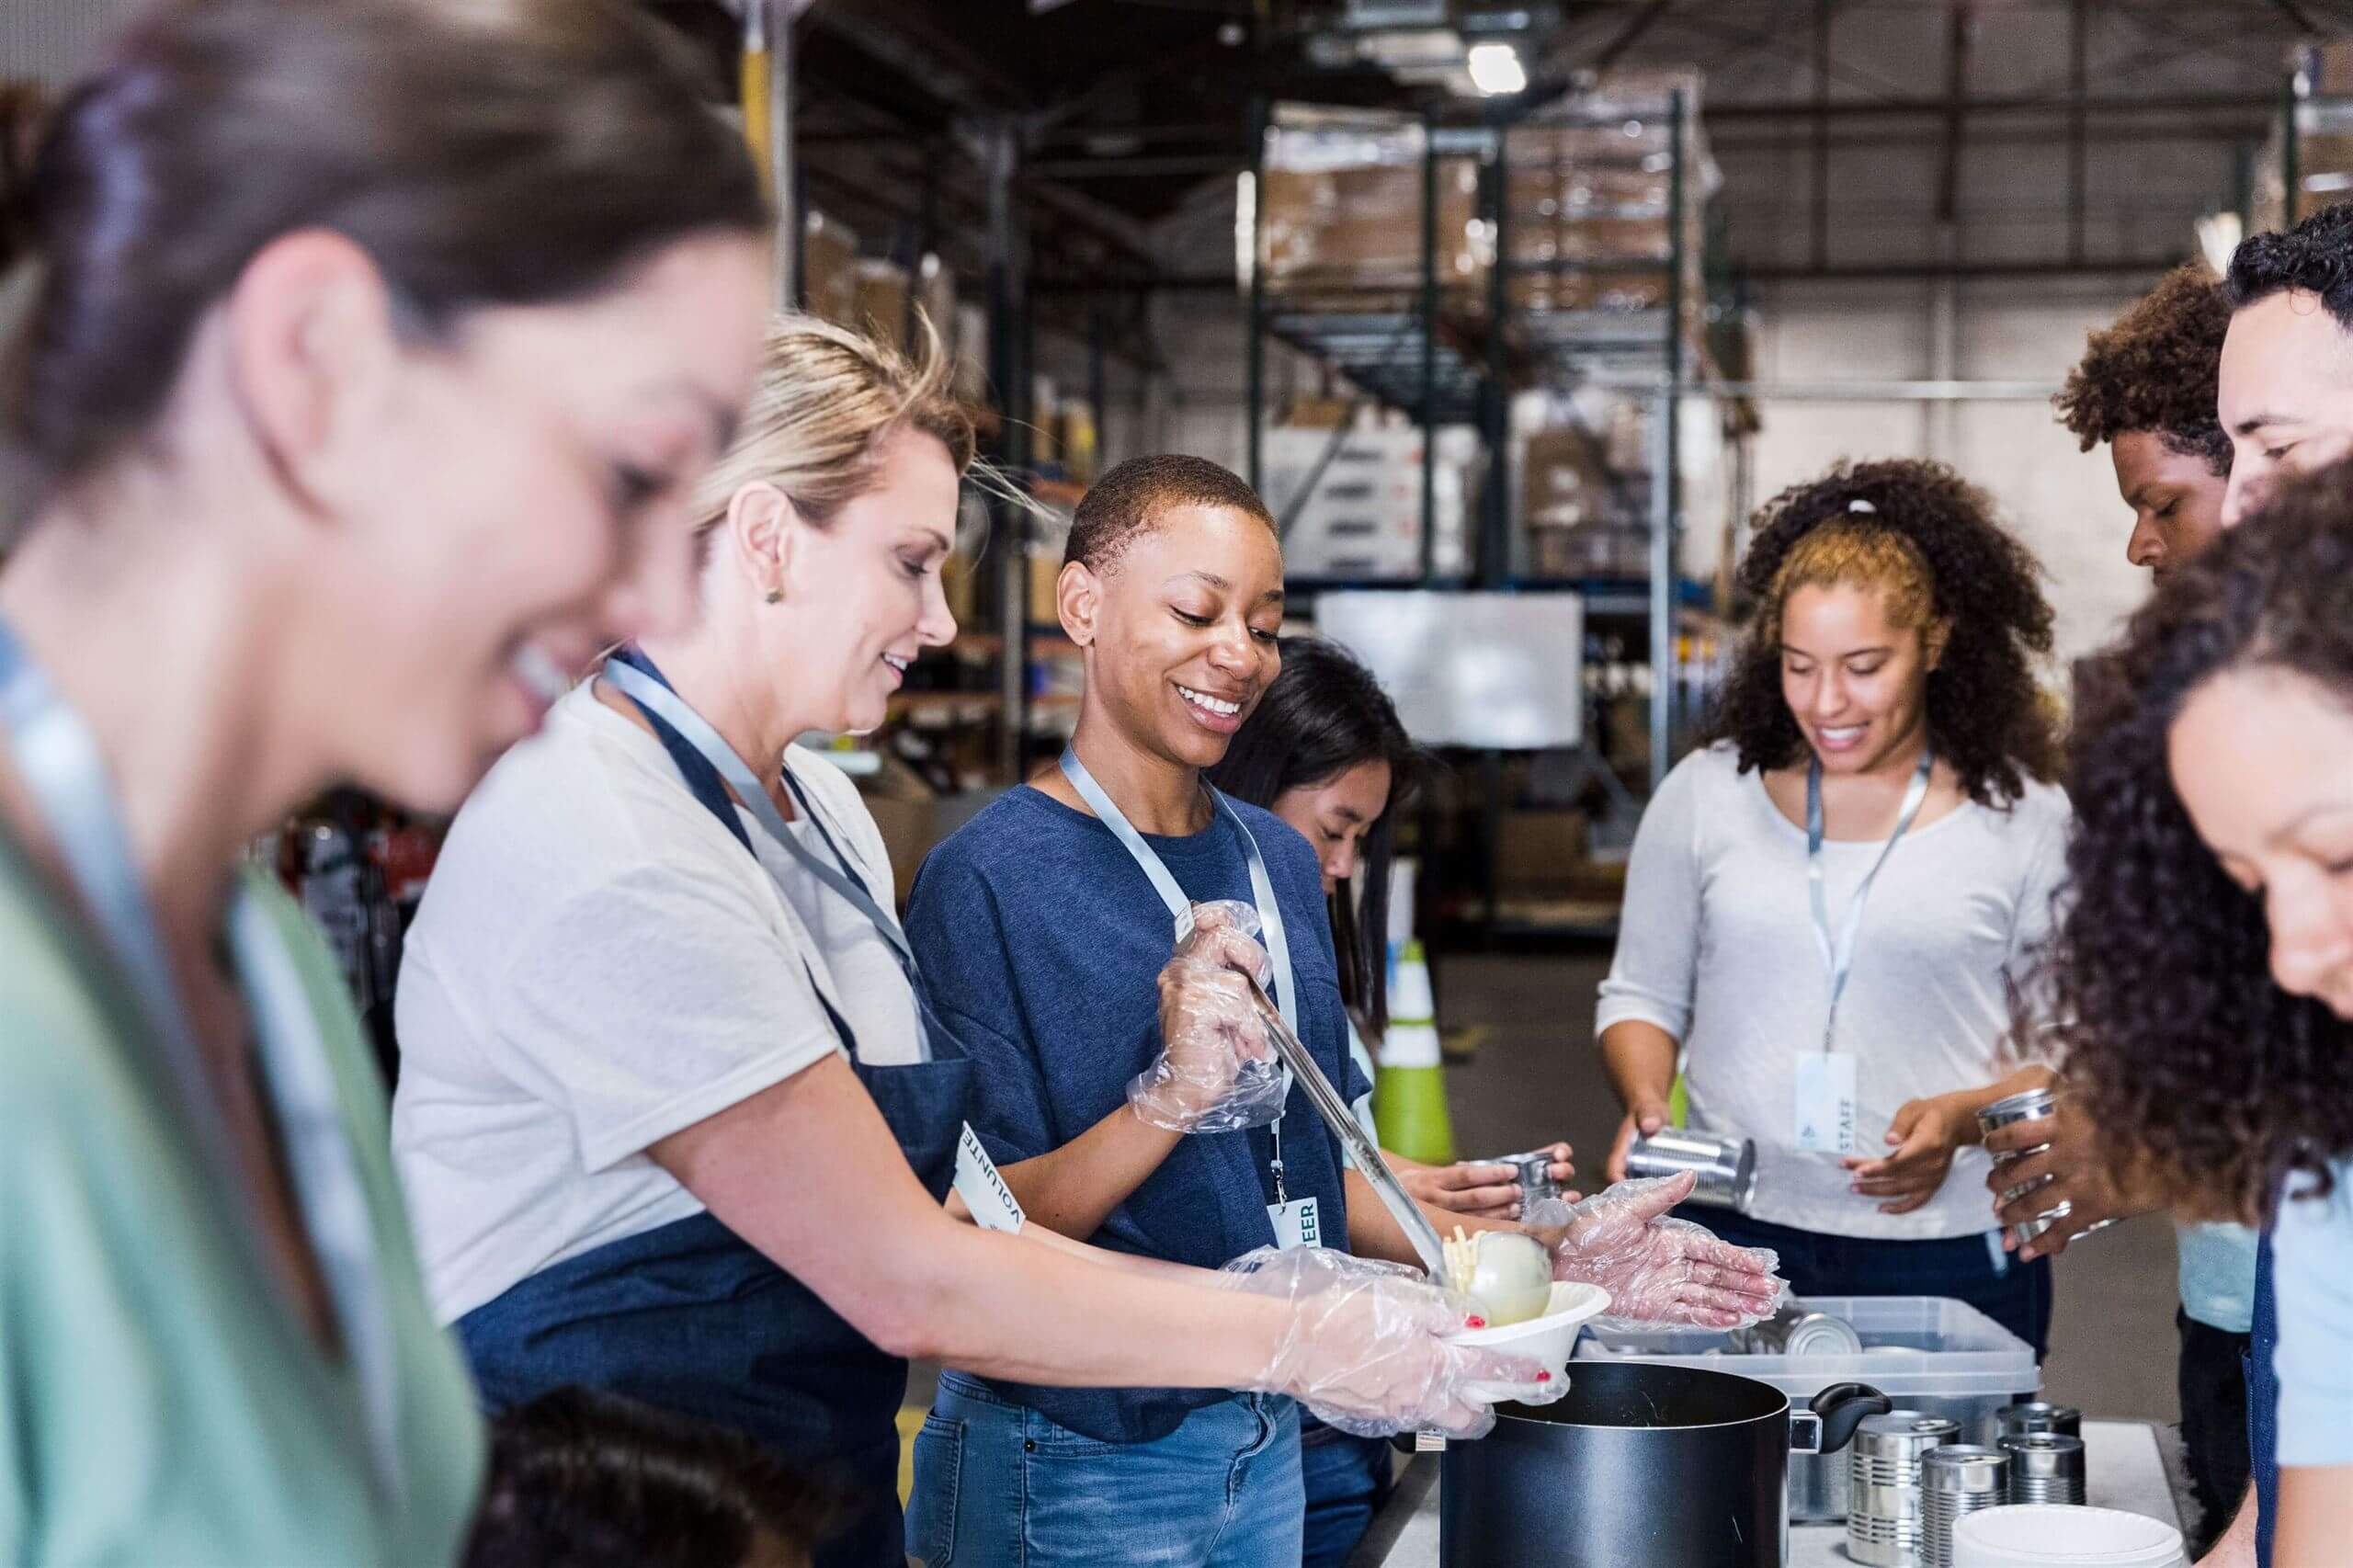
pixel 1368 1349
pixel 1656 1269
pixel 1216 1072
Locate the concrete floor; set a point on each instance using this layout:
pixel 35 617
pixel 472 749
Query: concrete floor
pixel 1537 1075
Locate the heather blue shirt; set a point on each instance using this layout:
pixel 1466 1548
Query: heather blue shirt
pixel 1041 944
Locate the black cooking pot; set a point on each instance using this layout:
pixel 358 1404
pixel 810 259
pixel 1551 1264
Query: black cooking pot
pixel 1639 1467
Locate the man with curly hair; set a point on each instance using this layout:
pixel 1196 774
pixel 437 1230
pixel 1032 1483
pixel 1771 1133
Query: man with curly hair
pixel 2286 390
pixel 2147 386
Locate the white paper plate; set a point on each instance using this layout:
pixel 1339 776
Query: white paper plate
pixel 1546 1340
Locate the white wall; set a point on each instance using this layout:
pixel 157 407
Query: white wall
pixel 2062 502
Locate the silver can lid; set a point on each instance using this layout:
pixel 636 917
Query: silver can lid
pixel 1963 1467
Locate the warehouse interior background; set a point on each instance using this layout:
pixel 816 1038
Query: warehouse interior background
pixel 1835 228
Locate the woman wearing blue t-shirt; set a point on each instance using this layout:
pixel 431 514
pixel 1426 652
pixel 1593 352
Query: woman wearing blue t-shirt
pixel 1044 926
pixel 2212 770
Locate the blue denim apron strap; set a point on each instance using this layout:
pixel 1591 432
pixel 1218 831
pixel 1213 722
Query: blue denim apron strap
pixel 710 766
pixel 2263 1398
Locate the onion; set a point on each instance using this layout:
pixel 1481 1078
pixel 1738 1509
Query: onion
pixel 1511 1276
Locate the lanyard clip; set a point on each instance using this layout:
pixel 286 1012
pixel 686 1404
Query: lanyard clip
pixel 1276 1165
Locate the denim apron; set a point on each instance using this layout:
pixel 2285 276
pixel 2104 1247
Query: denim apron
pixel 691 1318
pixel 2263 1396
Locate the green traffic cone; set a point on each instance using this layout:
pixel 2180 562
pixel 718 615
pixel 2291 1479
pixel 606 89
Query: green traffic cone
pixel 1409 1089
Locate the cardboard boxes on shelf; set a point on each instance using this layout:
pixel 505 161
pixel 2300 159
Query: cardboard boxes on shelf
pixel 1351 504
pixel 1340 210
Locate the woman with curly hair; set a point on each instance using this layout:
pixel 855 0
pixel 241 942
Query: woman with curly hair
pixel 2146 386
pixel 1826 906
pixel 2203 970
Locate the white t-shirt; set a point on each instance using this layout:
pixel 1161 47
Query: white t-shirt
pixel 596 965
pixel 1717 948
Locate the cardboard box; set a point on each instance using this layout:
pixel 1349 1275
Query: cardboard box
pixel 1565 480
pixel 882 302
pixel 1340 205
pixel 1590 549
pixel 829 262
pixel 1541 853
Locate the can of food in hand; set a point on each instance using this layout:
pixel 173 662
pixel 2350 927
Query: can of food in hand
pixel 2034 1105
pixel 1726 1166
pixel 1534 1174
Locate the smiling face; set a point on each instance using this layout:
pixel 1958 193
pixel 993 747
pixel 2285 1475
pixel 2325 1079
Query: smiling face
pixel 1856 680
pixel 1335 815
pixel 1181 630
pixel 2177 501
pixel 863 593
pixel 2263 762
pixel 521 503
pixel 2286 394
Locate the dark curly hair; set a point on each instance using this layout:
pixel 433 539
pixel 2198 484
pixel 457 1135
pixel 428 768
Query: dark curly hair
pixel 2316 256
pixel 2157 370
pixel 1986 716
pixel 2206 1079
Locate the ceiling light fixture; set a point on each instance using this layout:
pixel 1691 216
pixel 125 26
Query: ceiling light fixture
pixel 1495 70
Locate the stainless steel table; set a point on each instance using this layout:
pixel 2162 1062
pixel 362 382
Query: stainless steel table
pixel 2124 1467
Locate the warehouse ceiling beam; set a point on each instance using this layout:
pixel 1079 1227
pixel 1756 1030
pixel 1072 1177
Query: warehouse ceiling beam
pixel 1979 107
pixel 2295 12
pixel 905 39
pixel 1630 34
pixel 1937 271
pixel 1960 27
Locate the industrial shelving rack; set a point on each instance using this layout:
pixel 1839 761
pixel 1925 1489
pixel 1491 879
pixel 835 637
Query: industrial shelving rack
pixel 1444 360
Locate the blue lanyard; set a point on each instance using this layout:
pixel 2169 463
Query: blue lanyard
pixel 650 692
pixel 1839 957
pixel 1180 907
pixel 65 771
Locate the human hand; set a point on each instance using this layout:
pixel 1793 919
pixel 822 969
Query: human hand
pixel 1215 1072
pixel 1369 1349
pixel 1658 1269
pixel 1643 1118
pixel 1926 1134
pixel 2068 1172
pixel 1486 1190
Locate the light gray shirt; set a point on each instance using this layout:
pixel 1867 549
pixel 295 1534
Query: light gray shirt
pixel 1717 948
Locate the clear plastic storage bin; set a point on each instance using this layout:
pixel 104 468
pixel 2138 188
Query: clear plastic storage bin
pixel 1938 1357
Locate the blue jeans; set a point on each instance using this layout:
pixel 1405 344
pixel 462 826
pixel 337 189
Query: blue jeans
pixel 1961 1269
pixel 997 1485
pixel 1347 1478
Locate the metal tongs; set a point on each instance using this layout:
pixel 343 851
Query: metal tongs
pixel 1350 1131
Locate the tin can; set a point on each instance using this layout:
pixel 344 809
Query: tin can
pixel 1956 1480
pixel 2036 1416
pixel 2045 1467
pixel 2034 1105
pixel 1799 1331
pixel 1726 1166
pixel 1884 1506
pixel 1534 1174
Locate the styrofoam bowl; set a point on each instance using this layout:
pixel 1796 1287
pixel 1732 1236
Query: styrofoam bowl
pixel 2049 1535
pixel 1546 1340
